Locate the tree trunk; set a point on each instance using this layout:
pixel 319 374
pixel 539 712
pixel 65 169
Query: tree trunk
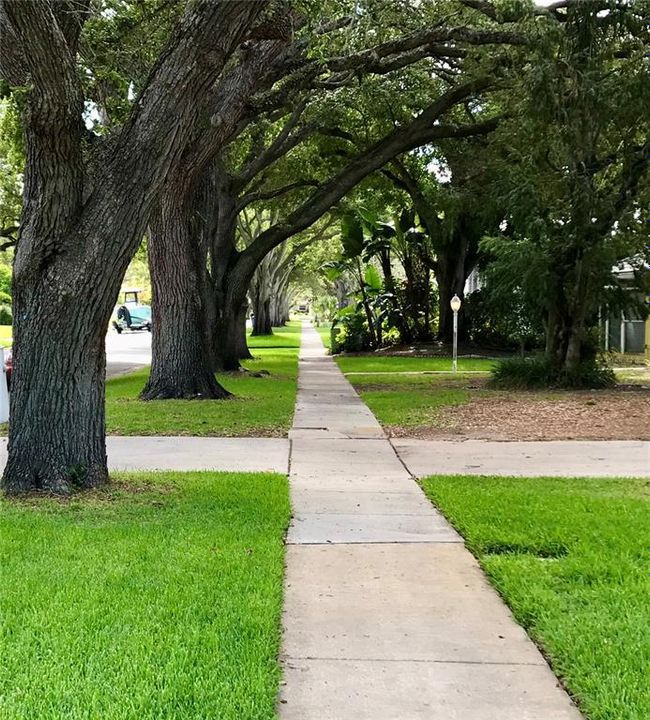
pixel 574 347
pixel 57 432
pixel 451 273
pixel 228 331
pixel 241 344
pixel 230 336
pixel 181 364
pixel 77 238
pixel 262 317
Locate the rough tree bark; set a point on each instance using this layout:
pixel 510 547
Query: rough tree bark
pixel 262 317
pixel 78 237
pixel 181 365
pixel 229 330
pixel 451 268
pixel 229 333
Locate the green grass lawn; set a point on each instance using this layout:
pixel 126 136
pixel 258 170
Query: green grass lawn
pixel 571 557
pixel 283 337
pixel 260 406
pixel 399 398
pixel 324 330
pixel 409 401
pixel 159 598
pixel 634 376
pixel 392 364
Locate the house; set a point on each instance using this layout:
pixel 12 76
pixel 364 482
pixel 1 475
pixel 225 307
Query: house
pixel 626 332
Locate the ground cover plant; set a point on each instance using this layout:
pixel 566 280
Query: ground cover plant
pixel 571 559
pixel 262 404
pixel 539 372
pixel 410 401
pixel 284 337
pixel 159 597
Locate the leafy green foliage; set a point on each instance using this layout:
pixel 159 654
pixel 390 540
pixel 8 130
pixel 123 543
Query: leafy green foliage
pixel 574 168
pixel 349 331
pixel 11 172
pixel 351 236
pixel 119 45
pixel 502 320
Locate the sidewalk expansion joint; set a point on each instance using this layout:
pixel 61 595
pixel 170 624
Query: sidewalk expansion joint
pixel 379 542
pixel 423 661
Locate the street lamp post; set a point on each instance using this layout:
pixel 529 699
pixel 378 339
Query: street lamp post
pixel 455 306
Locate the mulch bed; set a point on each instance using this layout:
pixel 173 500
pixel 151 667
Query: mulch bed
pixel 621 414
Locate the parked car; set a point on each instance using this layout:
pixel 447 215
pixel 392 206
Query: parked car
pixel 132 315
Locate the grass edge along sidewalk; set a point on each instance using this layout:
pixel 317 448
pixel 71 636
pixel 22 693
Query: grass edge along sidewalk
pixel 399 396
pixel 571 558
pixel 157 598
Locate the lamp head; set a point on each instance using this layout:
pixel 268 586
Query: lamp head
pixel 455 303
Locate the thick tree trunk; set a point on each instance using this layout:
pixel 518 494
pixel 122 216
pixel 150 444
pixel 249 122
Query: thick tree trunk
pixel 262 317
pixel 181 364
pixel 241 344
pixel 574 347
pixel 228 331
pixel 57 433
pixel 227 334
pixel 451 274
pixel 230 337
pixel 280 312
pixel 76 239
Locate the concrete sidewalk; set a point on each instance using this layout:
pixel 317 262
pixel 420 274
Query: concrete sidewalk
pixel 570 458
pixel 191 453
pixel 387 615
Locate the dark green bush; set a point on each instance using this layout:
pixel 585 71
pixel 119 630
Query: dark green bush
pixel 350 332
pixel 490 322
pixel 5 315
pixel 538 372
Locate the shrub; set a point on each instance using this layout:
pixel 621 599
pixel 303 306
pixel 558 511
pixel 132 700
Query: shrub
pixel 5 315
pixel 490 322
pixel 350 332
pixel 539 372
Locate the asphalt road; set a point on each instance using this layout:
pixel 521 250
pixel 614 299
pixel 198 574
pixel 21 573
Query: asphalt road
pixel 126 352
